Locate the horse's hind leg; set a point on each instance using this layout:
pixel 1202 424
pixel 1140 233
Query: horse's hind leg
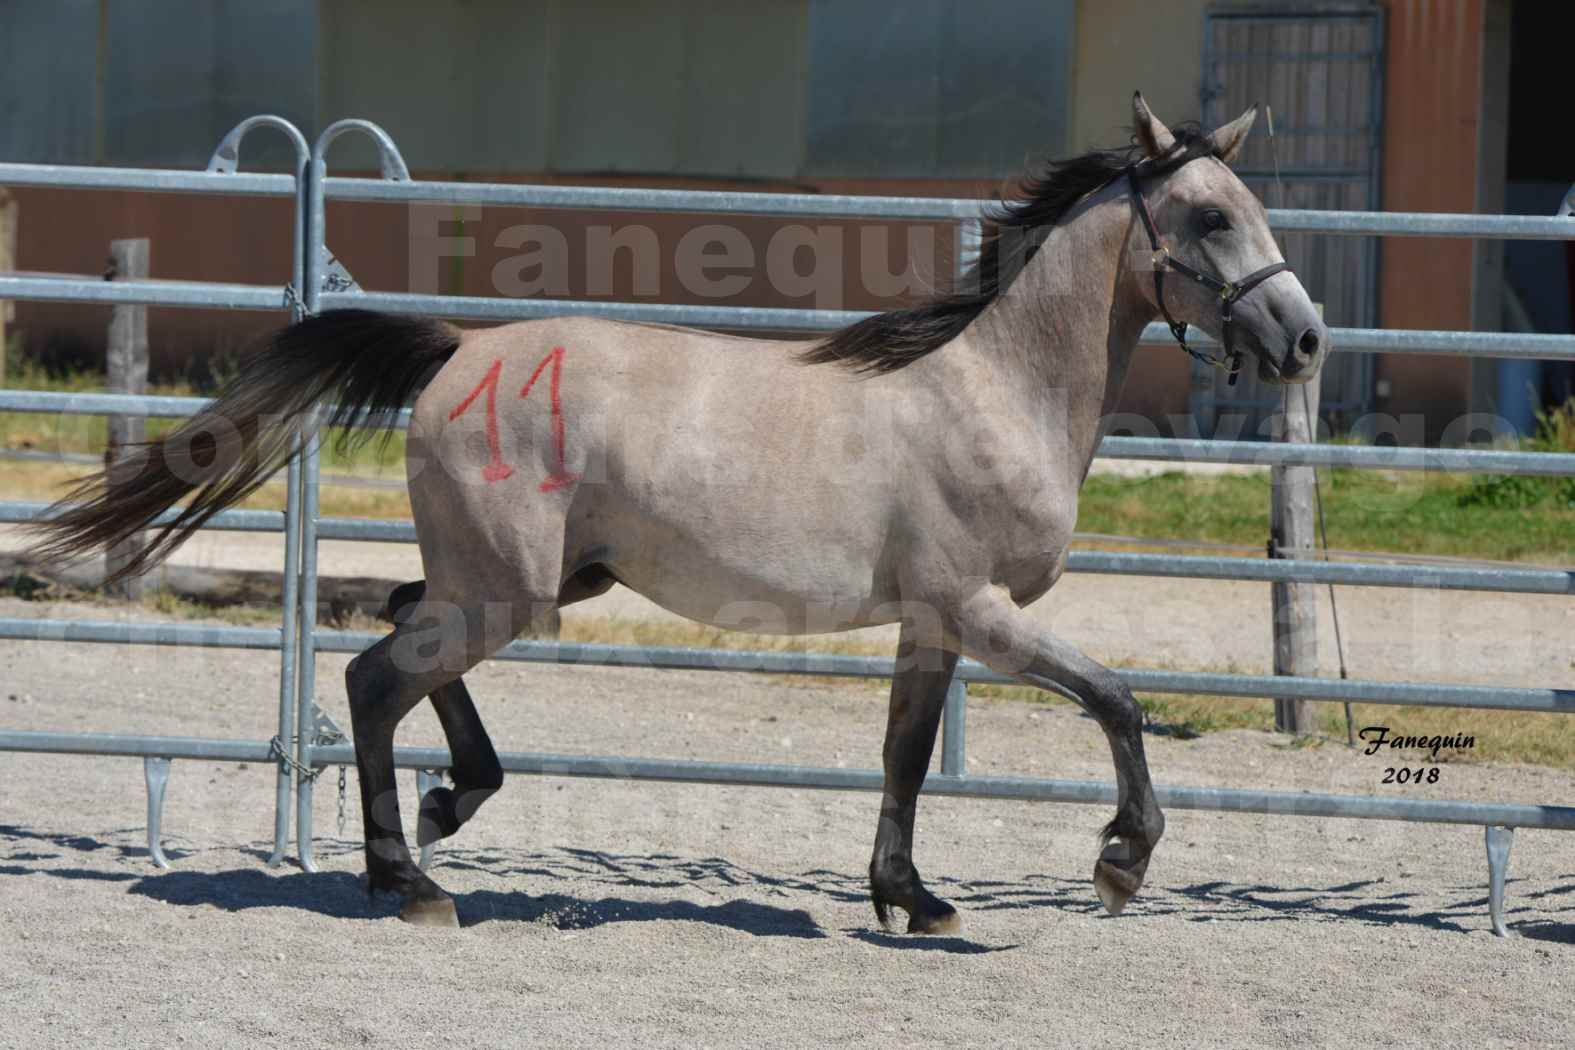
pixel 436 643
pixel 476 772
pixel 918 694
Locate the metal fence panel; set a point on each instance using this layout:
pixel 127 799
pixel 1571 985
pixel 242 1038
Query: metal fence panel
pixel 314 747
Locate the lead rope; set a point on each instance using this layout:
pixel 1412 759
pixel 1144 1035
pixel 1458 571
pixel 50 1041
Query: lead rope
pixel 1323 524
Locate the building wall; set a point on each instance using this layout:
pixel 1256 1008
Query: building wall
pixel 1156 48
pixel 1440 153
pixel 1432 124
pixel 697 94
pixel 1134 45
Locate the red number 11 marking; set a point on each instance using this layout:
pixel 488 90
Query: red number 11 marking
pixel 559 476
pixel 496 469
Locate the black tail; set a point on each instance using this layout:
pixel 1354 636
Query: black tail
pixel 369 364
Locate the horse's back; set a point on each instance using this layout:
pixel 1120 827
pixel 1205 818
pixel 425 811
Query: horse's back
pixel 716 475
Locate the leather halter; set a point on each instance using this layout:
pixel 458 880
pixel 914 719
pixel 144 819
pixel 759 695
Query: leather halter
pixel 1228 291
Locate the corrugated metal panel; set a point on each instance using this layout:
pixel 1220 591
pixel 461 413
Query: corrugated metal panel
pixel 461 87
pixel 48 59
pixel 181 73
pixel 743 94
pixel 619 86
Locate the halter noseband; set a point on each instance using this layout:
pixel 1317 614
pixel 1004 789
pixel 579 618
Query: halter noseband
pixel 1229 292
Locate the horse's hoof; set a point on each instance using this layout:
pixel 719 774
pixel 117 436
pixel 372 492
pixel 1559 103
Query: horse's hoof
pixel 1114 886
pixel 946 923
pixel 431 911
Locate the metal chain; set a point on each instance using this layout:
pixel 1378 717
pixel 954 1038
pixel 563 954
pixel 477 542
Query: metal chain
pixel 276 749
pixel 294 303
pixel 341 801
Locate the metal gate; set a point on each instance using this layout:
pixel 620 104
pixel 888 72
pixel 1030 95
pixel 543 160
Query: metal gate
pixel 306 744
pixel 1322 74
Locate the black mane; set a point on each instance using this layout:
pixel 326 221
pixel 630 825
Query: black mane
pixel 1015 229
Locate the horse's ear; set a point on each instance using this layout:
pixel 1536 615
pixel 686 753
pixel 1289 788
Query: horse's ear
pixel 1228 138
pixel 1153 136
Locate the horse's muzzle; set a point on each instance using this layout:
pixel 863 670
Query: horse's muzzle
pixel 1301 359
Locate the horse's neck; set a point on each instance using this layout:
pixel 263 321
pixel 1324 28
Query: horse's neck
pixel 1063 334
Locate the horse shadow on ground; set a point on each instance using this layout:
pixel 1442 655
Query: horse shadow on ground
pixel 572 914
pixel 646 887
pixel 339 894
pixel 335 894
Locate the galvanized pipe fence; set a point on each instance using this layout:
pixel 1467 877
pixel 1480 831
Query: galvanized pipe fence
pixel 308 742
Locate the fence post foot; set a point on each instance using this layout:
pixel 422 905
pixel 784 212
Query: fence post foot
pixel 954 737
pixel 1499 840
pixel 303 824
pixel 426 780
pixel 156 771
pixel 281 840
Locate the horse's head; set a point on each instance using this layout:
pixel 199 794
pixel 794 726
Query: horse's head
pixel 1216 263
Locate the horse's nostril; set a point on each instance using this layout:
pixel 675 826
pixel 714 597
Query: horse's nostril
pixel 1309 342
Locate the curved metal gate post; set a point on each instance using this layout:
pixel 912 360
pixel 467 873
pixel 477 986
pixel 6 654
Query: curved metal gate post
pixel 318 266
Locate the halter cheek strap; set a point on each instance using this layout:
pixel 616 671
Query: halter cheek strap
pixel 1228 291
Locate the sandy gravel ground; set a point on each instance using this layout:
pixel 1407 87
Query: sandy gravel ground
pixel 609 914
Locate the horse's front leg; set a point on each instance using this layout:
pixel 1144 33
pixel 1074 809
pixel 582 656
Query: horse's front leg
pixel 918 694
pixel 994 631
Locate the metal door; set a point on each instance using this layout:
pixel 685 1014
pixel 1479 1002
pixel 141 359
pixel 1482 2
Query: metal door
pixel 1322 75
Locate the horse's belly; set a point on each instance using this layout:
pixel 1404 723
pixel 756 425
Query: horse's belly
pixel 785 592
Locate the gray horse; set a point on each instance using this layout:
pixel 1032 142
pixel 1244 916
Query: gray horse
pixel 920 467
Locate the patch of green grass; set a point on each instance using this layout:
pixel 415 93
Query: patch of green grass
pixel 1555 433
pixel 49 432
pixel 1411 512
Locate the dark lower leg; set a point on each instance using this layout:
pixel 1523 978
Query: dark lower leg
pixel 918 694
pixel 476 772
pixel 1130 838
pixel 1003 638
pixel 380 695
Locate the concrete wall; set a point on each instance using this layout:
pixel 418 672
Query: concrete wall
pixel 777 89
pixel 1134 45
pixel 1156 48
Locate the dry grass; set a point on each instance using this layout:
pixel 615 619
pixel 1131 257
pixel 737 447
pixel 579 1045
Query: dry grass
pixel 29 480
pixel 1501 736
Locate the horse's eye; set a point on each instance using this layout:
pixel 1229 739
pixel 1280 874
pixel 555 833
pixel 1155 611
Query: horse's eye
pixel 1214 219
